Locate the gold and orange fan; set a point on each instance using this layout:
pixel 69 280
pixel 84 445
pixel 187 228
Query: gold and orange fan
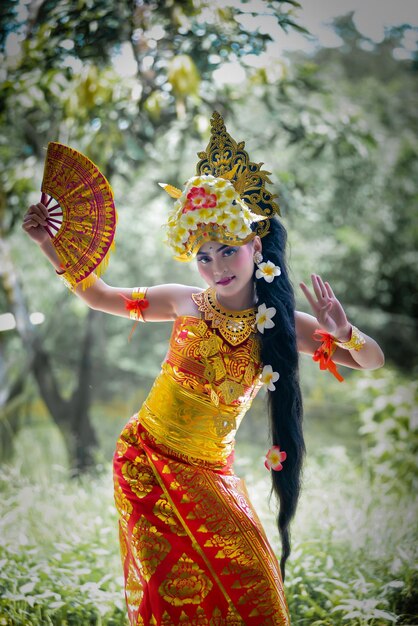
pixel 81 213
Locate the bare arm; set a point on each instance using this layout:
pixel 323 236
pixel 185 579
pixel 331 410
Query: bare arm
pixel 330 316
pixel 369 357
pixel 166 302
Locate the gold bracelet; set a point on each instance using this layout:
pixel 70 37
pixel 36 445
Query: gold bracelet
pixel 356 341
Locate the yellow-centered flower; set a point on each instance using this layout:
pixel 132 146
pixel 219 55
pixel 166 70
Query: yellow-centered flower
pixel 274 458
pixel 268 271
pixel 264 316
pixel 268 377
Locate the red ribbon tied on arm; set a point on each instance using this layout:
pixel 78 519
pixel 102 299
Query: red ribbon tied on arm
pixel 138 306
pixel 324 353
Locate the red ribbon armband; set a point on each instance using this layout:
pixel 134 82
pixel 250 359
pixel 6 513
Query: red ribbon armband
pixel 324 353
pixel 135 306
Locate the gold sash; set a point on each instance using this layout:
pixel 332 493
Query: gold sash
pixel 188 423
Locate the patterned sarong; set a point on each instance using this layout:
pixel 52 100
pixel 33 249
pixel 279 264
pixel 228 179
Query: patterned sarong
pixel 193 549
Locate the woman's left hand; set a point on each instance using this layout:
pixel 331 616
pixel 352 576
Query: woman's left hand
pixel 327 309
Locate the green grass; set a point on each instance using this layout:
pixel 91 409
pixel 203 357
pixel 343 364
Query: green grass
pixel 354 548
pixel 59 556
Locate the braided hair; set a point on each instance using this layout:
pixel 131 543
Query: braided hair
pixel 279 349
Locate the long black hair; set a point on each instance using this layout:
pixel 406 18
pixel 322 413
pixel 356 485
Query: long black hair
pixel 279 349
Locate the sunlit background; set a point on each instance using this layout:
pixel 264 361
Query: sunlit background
pixel 325 94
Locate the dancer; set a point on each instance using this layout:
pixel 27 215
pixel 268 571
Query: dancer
pixel 192 546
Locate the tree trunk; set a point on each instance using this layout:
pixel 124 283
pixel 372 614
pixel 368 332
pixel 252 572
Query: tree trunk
pixel 72 416
pixel 85 440
pixel 12 399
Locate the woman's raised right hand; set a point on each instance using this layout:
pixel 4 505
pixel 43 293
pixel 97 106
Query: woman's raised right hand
pixel 34 222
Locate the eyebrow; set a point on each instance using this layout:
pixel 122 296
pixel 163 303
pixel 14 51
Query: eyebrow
pixel 218 250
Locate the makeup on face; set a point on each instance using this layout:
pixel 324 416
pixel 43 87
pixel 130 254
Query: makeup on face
pixel 222 265
pixel 230 270
pixel 204 255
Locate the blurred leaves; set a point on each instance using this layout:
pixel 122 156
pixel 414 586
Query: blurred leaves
pixel 389 425
pixel 44 569
pixel 61 65
pixel 350 189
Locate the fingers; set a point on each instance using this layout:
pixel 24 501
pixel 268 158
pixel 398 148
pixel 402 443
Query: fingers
pixel 324 288
pixel 319 287
pixel 32 221
pixel 323 292
pixel 35 215
pixel 28 223
pixel 40 210
pixel 330 292
pixel 43 208
pixel 309 296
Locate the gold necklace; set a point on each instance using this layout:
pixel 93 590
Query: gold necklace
pixel 234 326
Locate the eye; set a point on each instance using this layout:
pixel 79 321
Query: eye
pixel 229 251
pixel 203 260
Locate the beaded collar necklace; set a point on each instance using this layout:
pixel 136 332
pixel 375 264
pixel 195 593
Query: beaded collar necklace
pixel 234 326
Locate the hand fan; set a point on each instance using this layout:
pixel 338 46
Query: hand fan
pixel 82 215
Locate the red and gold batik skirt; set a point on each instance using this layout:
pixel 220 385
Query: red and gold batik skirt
pixel 193 549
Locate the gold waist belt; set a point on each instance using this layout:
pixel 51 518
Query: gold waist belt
pixel 190 424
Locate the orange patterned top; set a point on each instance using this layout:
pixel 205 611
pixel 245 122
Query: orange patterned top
pixel 205 387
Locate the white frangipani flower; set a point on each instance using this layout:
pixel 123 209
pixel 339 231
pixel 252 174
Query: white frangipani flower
pixel 268 271
pixel 234 224
pixel 189 220
pixel 268 377
pixel 235 210
pixel 244 232
pixel 264 316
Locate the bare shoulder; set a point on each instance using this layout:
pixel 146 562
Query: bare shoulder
pixel 170 300
pixel 185 304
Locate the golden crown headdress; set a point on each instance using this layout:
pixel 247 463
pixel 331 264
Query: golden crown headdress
pixel 222 202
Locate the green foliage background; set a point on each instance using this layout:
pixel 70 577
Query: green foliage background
pixel 337 129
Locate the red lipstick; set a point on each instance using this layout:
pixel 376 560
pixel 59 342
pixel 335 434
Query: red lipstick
pixel 225 281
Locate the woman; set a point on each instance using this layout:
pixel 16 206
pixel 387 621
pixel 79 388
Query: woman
pixel 193 548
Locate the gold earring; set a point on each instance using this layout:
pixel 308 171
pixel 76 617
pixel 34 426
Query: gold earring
pixel 257 257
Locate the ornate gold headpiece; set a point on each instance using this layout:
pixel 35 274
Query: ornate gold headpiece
pixel 223 200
